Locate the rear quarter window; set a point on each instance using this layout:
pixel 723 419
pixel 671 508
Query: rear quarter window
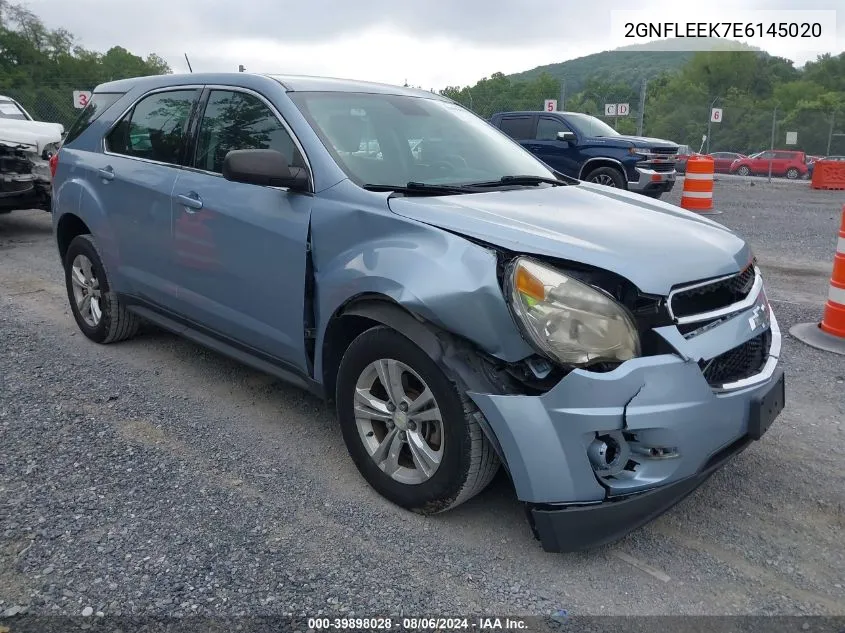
pixel 99 103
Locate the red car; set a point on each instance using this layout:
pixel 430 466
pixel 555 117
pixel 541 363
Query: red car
pixel 722 161
pixel 787 163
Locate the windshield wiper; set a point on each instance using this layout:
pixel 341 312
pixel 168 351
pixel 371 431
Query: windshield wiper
pixel 520 180
pixel 421 188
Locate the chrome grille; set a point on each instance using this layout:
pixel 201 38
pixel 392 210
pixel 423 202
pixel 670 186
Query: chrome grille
pixel 717 295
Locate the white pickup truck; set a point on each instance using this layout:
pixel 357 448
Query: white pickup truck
pixel 26 146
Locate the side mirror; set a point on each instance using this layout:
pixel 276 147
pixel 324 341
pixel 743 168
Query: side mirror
pixel 265 167
pixel 566 136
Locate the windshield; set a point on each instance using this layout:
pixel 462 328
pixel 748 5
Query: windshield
pixel 11 110
pixel 587 125
pixel 391 140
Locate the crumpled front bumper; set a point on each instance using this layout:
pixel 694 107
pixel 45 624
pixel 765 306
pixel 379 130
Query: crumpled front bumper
pixel 676 428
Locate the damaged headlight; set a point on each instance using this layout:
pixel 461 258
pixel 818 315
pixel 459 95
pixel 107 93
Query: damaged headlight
pixel 49 150
pixel 572 322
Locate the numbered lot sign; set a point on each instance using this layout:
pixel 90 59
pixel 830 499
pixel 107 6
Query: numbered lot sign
pixel 716 115
pixel 550 105
pixel 609 109
pixel 623 109
pixel 81 98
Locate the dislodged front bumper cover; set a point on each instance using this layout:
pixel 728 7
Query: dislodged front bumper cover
pixel 661 404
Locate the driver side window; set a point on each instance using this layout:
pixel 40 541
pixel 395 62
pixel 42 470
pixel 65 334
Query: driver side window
pixel 548 128
pixel 239 120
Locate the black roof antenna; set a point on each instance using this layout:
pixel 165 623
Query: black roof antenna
pixel 189 63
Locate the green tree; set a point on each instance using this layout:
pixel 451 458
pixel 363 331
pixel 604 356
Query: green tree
pixel 41 68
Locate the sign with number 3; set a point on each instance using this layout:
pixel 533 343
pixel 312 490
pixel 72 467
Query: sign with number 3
pixel 81 98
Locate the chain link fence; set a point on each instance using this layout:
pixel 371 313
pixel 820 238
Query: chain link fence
pixel 735 126
pixel 48 102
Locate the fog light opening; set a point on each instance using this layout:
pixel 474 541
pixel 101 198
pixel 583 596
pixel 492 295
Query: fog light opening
pixel 609 454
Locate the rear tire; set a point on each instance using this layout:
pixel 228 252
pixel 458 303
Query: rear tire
pixel 743 170
pixel 385 437
pixel 97 310
pixel 607 176
pixel 792 173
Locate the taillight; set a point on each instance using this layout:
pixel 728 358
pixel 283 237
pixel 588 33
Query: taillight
pixel 54 163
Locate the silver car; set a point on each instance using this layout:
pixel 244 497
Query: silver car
pixel 463 305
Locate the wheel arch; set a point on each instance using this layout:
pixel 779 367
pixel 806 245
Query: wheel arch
pixel 69 226
pixel 460 359
pixel 602 161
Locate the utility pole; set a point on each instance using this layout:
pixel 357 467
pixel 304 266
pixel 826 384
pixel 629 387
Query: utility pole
pixel 772 148
pixel 562 106
pixel 642 107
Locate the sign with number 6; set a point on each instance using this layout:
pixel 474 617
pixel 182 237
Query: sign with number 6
pixel 81 99
pixel 716 115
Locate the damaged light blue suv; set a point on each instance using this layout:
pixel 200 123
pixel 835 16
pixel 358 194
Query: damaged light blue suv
pixel 462 304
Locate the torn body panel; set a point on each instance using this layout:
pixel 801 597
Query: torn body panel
pixel 362 250
pixel 24 179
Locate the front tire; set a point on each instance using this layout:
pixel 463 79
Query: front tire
pixel 413 436
pixel 792 173
pixel 96 309
pixel 743 170
pixel 607 176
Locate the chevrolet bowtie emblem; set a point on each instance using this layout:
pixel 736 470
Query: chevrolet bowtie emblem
pixel 759 317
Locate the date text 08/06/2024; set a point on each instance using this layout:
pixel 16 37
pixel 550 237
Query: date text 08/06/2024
pixel 420 624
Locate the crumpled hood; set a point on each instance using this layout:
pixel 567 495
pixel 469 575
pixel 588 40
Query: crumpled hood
pixel 33 134
pixel 653 244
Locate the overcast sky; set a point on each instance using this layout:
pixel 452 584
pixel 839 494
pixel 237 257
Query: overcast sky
pixel 432 43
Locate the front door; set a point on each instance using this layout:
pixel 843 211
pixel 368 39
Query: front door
pixel 240 249
pixel 562 156
pixel 134 178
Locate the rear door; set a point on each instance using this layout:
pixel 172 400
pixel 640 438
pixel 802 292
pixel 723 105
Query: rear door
pixel 519 127
pixel 134 177
pixel 563 156
pixel 761 163
pixel 240 249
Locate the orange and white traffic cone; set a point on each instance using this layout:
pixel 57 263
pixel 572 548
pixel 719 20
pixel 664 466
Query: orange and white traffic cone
pixel 829 334
pixel 697 195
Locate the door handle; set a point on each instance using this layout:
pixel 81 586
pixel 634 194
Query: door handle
pixel 107 173
pixel 192 202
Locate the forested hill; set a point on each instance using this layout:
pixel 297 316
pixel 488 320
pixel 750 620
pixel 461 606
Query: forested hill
pixel 629 64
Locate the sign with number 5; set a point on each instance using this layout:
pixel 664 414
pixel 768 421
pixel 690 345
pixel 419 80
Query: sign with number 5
pixel 550 105
pixel 81 98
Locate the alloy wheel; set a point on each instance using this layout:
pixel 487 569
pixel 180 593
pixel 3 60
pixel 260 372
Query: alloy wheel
pixel 603 179
pixel 399 421
pixel 86 290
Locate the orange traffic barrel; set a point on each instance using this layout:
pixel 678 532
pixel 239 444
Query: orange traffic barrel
pixel 829 334
pixel 698 184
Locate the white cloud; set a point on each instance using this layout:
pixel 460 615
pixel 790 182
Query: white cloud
pixel 431 43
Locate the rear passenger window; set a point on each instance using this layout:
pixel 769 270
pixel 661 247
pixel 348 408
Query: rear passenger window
pixel 99 103
pixel 238 120
pixel 155 128
pixel 517 127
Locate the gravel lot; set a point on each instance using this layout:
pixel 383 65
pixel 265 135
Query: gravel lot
pixel 153 477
